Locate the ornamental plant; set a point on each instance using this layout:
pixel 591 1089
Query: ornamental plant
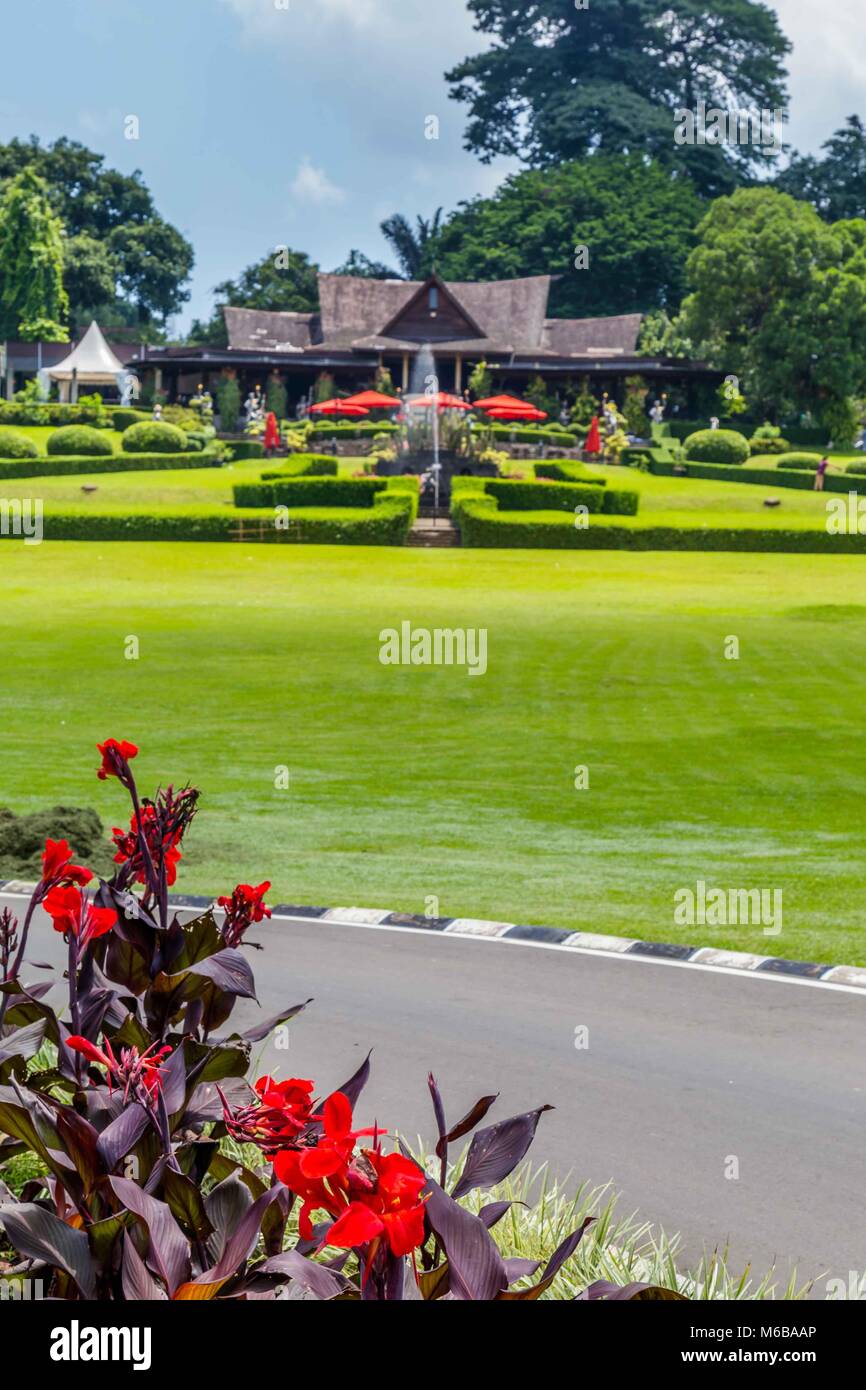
pixel 127 1137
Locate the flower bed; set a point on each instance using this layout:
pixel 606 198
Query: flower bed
pixel 121 1187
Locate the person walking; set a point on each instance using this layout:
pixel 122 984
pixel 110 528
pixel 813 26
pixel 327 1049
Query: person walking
pixel 823 465
pixel 272 435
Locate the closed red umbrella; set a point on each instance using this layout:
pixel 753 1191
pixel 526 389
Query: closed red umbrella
pixel 373 400
pixel 337 408
pixel 593 439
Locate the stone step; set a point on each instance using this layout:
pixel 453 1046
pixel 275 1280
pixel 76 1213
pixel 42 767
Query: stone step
pixel 433 535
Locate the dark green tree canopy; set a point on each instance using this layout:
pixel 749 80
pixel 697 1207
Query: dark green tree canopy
pixel 562 81
pixel 836 183
pixel 415 247
pixel 356 263
pixel 635 217
pixel 282 280
pixel 33 302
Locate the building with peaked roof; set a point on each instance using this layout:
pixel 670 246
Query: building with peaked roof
pixel 363 324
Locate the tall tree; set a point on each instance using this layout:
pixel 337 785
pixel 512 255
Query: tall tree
pixel 836 183
pixel 616 230
pixel 415 247
pixel 33 302
pixel 282 280
pixel 150 260
pixel 562 81
pixel 358 264
pixel 779 301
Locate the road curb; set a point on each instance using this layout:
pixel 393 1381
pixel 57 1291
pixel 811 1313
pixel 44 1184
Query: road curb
pixel 708 957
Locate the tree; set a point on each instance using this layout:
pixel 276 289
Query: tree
pixel 635 219
pixel 105 206
pixel 360 265
pixel 89 277
pixel 284 280
pixel 33 302
pixel 415 247
pixel 562 81
pixel 779 302
pixel 836 184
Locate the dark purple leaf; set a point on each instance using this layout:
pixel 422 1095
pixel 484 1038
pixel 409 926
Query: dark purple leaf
pixel 438 1105
pixel 262 1030
pixel 565 1251
pixel 468 1123
pixel 39 1235
pixel 494 1212
pixel 122 1135
pixel 172 1075
pixel 226 1205
pixel 23 1042
pixel 601 1291
pixel 242 1241
pixel 355 1085
pixel 229 970
pixel 520 1269
pixel 496 1151
pixel 169 1249
pixel 475 1265
pixel 324 1283
pixel 139 1285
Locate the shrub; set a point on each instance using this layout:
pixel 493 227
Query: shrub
pixel 567 471
pixel 52 413
pixel 228 403
pixel 22 839
pixel 789 460
pixel 305 466
pixel 243 449
pixel 122 418
pixel 717 446
pixel 543 497
pixel 15 445
pixel 775 445
pixel 154 437
pixel 310 491
pixel 79 441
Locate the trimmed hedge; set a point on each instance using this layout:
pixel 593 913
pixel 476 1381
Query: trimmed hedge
pixel 568 472
pixel 154 437
pixel 483 526
pixel 14 445
pixel 518 496
pixel 78 441
pixel 243 449
pixel 769 446
pixel 124 416
pixel 309 492
pixel 856 466
pixel 789 460
pixel 717 446
pixel 763 477
pixel 386 523
pixel 117 463
pixel 305 466
pixel 52 413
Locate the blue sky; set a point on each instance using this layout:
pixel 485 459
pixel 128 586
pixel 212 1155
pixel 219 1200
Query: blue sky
pixel 301 122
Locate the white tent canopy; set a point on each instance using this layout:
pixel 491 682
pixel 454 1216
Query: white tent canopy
pixel 90 363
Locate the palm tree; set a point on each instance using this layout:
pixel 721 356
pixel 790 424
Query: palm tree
pixel 415 248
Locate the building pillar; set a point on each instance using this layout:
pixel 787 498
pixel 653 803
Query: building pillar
pixel 458 374
pixel 157 381
pixel 405 372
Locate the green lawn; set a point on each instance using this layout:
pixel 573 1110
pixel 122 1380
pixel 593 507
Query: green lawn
pixel 411 783
pixel 40 433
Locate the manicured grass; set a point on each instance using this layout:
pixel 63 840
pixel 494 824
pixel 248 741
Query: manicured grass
pixel 414 784
pixel 716 498
pixel 40 434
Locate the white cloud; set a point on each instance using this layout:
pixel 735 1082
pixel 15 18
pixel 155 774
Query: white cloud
pixel 312 185
pixel 264 16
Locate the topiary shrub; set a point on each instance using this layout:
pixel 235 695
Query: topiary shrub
pixel 125 416
pixel 81 441
pixel 777 445
pixel 15 445
pixel 22 839
pixel 717 446
pixel 154 437
pixel 795 460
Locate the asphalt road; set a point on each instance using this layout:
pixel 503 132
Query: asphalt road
pixel 684 1069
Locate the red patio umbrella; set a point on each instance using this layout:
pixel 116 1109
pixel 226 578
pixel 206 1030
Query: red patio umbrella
pixel 443 401
pixel 526 413
pixel 337 408
pixel 502 403
pixel 592 444
pixel 373 400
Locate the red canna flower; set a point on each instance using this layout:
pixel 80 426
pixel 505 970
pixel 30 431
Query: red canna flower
pixel 138 1072
pixel 73 914
pixel 56 864
pixel 115 756
pixel 391 1210
pixel 128 845
pixel 245 906
pixel 282 1113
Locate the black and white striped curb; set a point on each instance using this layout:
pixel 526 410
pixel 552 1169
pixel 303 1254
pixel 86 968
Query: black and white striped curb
pixel 710 957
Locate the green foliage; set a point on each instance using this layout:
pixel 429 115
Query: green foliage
pixel 634 406
pixel 276 397
pixel 154 437
pixel 122 418
pixel 304 465
pixel 33 303
pixel 243 449
pixel 363 268
pixel 309 491
pixel 480 382
pixel 795 460
pixel 89 276
pixel 663 336
pixel 284 280
pixel 555 82
pixel 636 219
pixel 717 446
pixel 415 247
pixel 228 400
pixel 769 446
pixel 324 388
pixel 80 441
pixel 779 301
pixel 834 184
pixel 22 840
pixel 840 417
pixel 14 445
